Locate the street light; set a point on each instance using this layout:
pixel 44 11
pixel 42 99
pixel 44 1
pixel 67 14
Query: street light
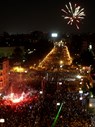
pixel 54 35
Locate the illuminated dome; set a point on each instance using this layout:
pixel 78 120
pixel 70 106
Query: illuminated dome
pixel 57 58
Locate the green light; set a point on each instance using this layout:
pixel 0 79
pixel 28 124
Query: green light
pixel 57 115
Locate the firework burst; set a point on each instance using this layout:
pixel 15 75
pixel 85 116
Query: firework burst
pixel 74 14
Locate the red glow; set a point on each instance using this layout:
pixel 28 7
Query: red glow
pixel 18 100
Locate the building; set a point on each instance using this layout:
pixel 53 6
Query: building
pixel 4 69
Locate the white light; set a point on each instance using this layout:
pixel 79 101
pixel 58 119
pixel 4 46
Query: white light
pixel 23 60
pixel 41 92
pixel 80 91
pixel 92 96
pixel 78 76
pixel 86 94
pixel 90 105
pixel 61 66
pixel 81 98
pixel 54 35
pixel 28 49
pixel 25 71
pixel 2 120
pixel 90 46
pixel 80 83
pixel 58 104
pixel 60 83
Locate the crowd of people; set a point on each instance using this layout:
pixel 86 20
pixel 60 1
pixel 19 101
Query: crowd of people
pixel 42 112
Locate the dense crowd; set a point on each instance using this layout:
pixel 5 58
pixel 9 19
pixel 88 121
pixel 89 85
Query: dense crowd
pixel 42 112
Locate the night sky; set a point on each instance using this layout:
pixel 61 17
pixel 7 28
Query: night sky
pixel 17 16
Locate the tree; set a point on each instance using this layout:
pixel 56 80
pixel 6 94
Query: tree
pixel 17 55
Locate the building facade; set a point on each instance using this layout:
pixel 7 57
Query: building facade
pixel 4 72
